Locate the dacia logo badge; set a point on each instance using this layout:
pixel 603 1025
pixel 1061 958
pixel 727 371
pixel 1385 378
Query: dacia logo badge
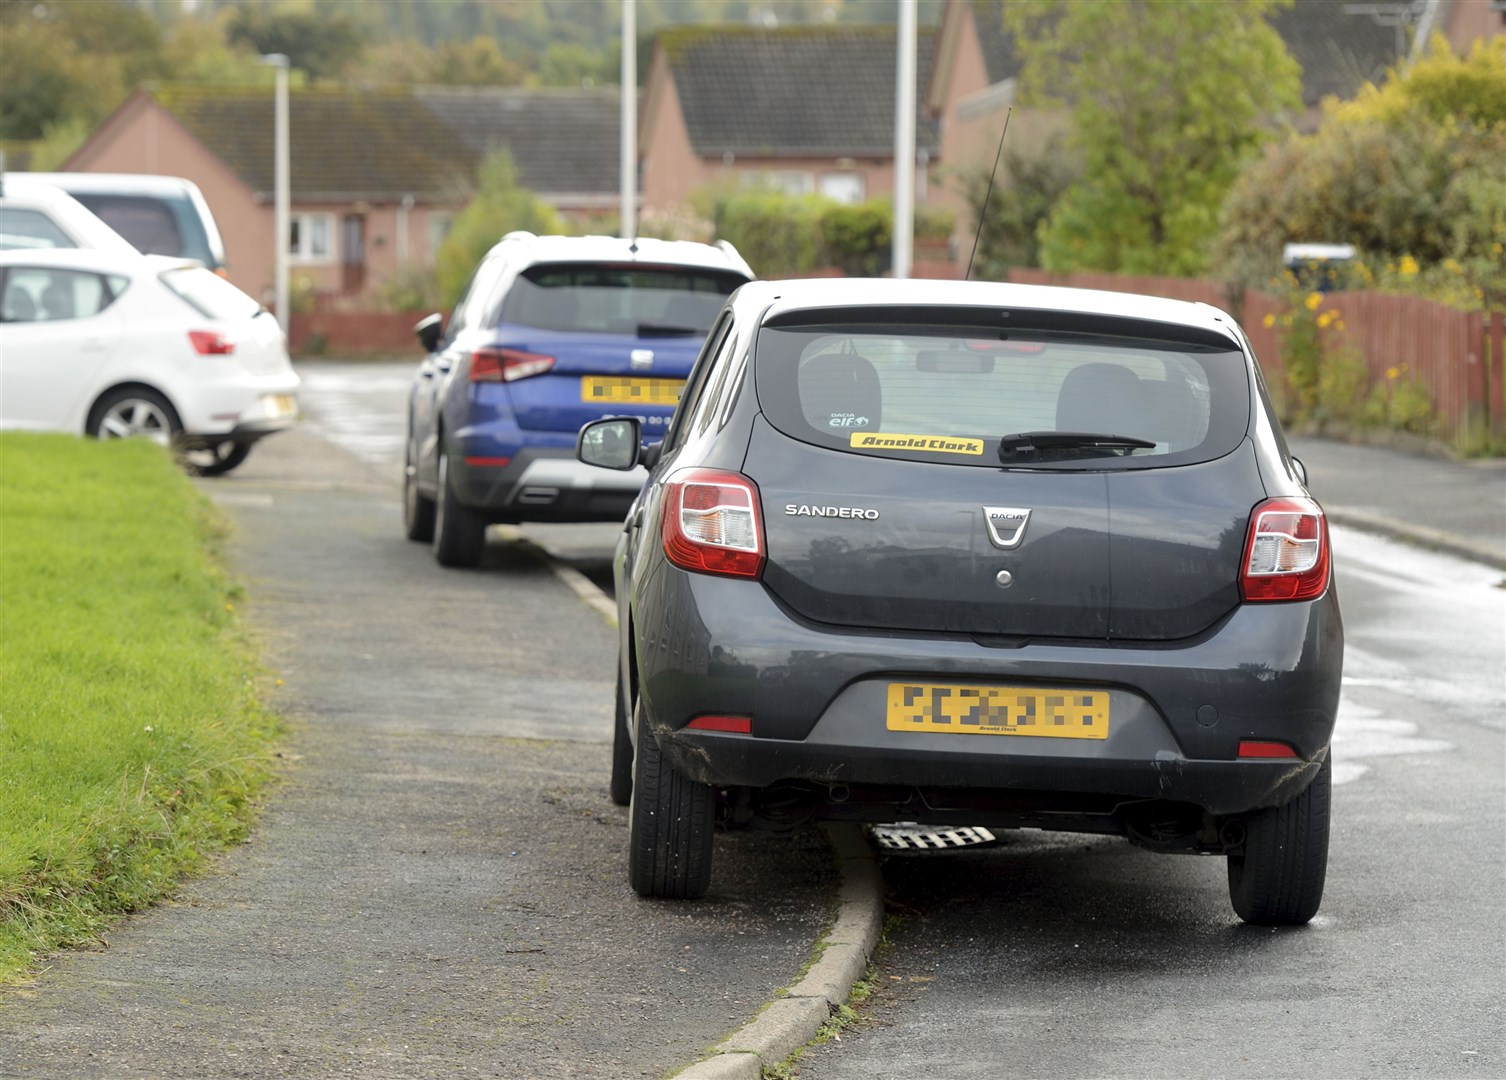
pixel 1006 525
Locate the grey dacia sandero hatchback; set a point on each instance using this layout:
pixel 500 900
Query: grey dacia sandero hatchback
pixel 976 554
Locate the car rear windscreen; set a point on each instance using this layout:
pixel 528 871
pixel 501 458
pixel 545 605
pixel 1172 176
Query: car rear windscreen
pixel 641 300
pixel 209 294
pixel 1047 398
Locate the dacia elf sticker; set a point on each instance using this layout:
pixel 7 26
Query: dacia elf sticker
pixel 930 444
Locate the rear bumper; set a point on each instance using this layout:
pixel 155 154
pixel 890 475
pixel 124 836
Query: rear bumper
pixel 817 695
pixel 545 484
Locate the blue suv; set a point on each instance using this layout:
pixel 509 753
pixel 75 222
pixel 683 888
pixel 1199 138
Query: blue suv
pixel 551 333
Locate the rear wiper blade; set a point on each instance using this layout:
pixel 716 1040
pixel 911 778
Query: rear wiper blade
pixel 1031 442
pixel 649 329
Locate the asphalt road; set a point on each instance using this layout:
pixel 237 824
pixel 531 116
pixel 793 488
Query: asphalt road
pixel 1057 956
pixel 439 887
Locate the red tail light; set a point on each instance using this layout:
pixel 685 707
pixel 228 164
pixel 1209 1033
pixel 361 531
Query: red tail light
pixel 507 365
pixel 733 725
pixel 1255 748
pixel 1286 553
pixel 210 343
pixel 712 524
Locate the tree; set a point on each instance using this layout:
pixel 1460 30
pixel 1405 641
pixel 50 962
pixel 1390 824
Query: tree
pixel 1024 194
pixel 321 41
pixel 477 62
pixel 500 206
pixel 66 63
pixel 1168 100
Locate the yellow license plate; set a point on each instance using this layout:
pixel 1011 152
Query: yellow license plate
pixel 994 710
pixel 622 391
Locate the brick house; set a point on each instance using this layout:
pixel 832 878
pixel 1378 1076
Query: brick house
pixel 377 174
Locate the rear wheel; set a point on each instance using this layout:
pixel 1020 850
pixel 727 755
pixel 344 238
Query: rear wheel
pixel 134 412
pixel 459 532
pixel 670 823
pixel 216 459
pixel 1278 880
pixel 621 786
pixel 418 509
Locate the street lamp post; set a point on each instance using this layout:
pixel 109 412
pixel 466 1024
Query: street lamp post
pixel 904 141
pixel 628 153
pixel 280 187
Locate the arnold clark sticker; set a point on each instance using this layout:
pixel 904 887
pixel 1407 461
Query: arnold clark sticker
pixel 930 444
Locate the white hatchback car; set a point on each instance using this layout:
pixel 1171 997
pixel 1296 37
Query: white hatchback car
pixel 116 344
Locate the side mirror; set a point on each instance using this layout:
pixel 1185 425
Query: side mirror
pixel 610 443
pixel 651 454
pixel 429 329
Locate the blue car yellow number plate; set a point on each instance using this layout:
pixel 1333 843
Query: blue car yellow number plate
pixel 626 391
pixel 952 709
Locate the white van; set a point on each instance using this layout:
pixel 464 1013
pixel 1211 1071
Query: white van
pixel 36 215
pixel 160 215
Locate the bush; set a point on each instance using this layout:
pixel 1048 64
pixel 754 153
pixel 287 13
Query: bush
pixel 779 235
pixel 858 238
pixel 1410 174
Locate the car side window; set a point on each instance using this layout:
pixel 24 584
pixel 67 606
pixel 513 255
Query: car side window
pixel 23 229
pixel 472 304
pixel 690 401
pixel 50 294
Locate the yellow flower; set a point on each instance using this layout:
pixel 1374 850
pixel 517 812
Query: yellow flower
pixel 1324 319
pixel 1392 373
pixel 1314 300
pixel 1452 266
pixel 1407 267
pixel 1496 249
pixel 1268 322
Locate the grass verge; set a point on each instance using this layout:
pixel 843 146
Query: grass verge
pixel 132 740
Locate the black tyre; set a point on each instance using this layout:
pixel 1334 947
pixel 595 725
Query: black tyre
pixel 134 412
pixel 670 825
pixel 418 509
pixel 1278 879
pixel 621 786
pixel 459 532
pixel 216 459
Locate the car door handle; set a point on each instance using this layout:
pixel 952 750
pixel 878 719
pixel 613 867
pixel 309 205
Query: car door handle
pixel 443 366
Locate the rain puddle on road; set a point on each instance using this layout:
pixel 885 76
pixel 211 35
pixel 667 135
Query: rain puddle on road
pixel 361 408
pixel 1427 639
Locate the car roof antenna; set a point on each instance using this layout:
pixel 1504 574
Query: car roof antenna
pixel 983 211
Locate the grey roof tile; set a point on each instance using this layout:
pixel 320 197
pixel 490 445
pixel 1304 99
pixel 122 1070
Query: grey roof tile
pixel 794 91
pixel 370 143
pixel 562 141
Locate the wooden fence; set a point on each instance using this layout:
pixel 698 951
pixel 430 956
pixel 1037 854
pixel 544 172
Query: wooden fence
pixel 1459 357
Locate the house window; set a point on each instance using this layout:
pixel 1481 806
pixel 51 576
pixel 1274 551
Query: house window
pixel 311 238
pixel 844 187
pixel 438 227
pixel 788 181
